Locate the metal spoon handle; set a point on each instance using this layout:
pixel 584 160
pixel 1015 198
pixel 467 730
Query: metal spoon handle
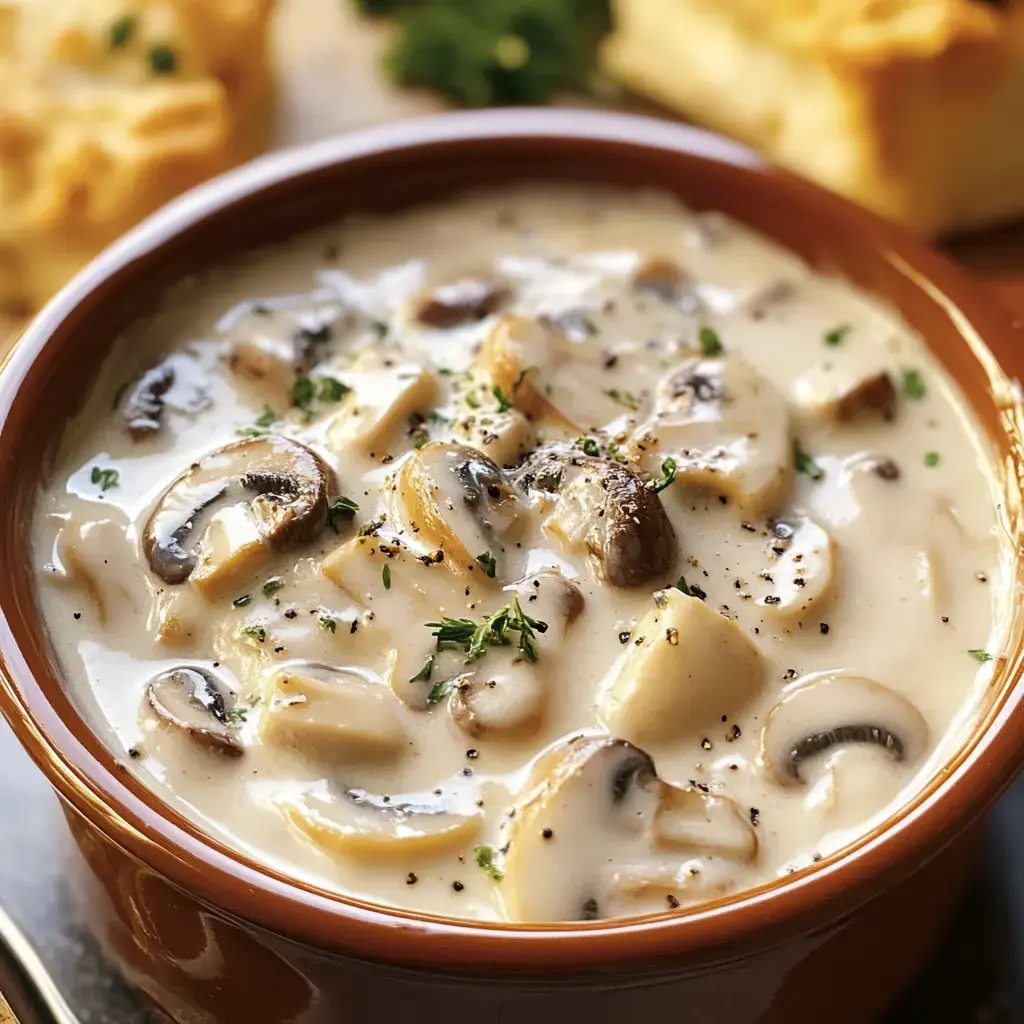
pixel 28 995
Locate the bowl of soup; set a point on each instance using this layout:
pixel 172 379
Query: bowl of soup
pixel 523 562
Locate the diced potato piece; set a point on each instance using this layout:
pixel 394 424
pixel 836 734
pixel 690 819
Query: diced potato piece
pixel 81 551
pixel 503 436
pixel 232 550
pixel 380 405
pixel 690 667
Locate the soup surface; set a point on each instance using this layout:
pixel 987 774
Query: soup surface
pixel 544 555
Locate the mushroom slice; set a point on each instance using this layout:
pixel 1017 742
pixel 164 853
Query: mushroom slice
pixel 689 820
pixel 457 499
pixel 81 553
pixel 360 824
pixel 342 714
pixel 506 699
pixel 604 508
pixel 461 302
pixel 836 391
pixel 801 569
pixel 668 281
pixel 197 701
pixel 688 667
pixel 727 428
pixel 264 493
pixel 144 407
pixel 379 406
pixel 830 709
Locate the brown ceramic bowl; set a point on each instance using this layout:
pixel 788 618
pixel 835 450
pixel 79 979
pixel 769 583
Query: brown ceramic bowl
pixel 210 935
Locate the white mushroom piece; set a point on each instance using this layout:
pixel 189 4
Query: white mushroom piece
pixel 597 828
pixel 198 702
pixel 220 520
pixel 828 710
pixel 843 390
pixel 799 574
pixel 507 696
pixel 726 427
pixel 333 712
pixel 604 509
pixel 456 499
pixel 687 667
pixel 355 823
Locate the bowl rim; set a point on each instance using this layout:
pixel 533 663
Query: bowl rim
pixel 136 820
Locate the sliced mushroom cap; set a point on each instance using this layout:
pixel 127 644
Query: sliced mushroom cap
pixel 827 710
pixel 800 572
pixel 459 500
pixel 271 491
pixel 668 281
pixel 841 392
pixel 726 427
pixel 462 302
pixel 606 509
pixel 361 824
pixel 341 714
pixel 498 699
pixel 144 407
pixel 377 409
pixel 199 702
pixel 688 666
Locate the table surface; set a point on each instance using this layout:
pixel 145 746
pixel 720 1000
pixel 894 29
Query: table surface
pixel 330 84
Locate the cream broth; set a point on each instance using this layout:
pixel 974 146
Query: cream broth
pixel 550 555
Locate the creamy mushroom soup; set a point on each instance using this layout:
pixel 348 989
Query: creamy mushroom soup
pixel 548 555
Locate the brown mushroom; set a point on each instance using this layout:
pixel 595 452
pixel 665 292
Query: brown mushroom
pixel 606 508
pixel 196 700
pixel 278 488
pixel 844 393
pixel 144 407
pixel 668 281
pixel 461 302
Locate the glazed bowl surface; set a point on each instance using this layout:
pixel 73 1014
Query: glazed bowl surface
pixel 166 892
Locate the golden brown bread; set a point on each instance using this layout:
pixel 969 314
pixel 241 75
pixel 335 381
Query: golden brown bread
pixel 108 108
pixel 914 108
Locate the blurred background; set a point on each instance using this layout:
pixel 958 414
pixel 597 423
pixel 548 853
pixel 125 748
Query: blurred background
pixel 109 108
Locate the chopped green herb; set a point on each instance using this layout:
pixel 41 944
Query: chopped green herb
pixel 371 526
pixel 419 436
pixel 931 459
pixel 424 674
pixel 517 383
pixel 303 393
pixel 240 712
pixel 252 431
pixel 241 602
pixel 439 691
pixel 681 584
pixel 273 585
pixel 121 32
pixel 472 401
pixel 615 453
pixel 589 446
pixel 837 335
pixel 331 389
pixel 485 861
pixel 163 60
pixel 488 563
pixel 385 575
pixel 710 343
pixel 106 478
pixel 327 622
pixel 626 398
pixel 503 401
pixel 979 655
pixel 913 384
pixel 339 510
pixel 267 417
pixel 475 639
pixel 435 417
pixel 379 327
pixel 257 633
pixel 669 468
pixel 805 463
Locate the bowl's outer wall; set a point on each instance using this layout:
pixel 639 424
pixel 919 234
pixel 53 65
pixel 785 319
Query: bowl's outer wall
pixel 738 949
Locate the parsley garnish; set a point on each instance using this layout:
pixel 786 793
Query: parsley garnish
pixel 485 861
pixel 331 389
pixel 517 383
pixel 836 336
pixel 252 431
pixel 379 327
pixel 258 633
pixel 424 674
pixel 504 404
pixel 273 585
pixel 488 563
pixel 338 510
pixel 626 398
pixel 439 691
pixel 419 436
pixel 121 32
pixel 372 526
pixel 163 60
pixel 589 446
pixel 303 392
pixel 240 711
pixel 979 655
pixel 106 478
pixel 267 417
pixel 241 602
pixel 472 401
pixel 475 639
pixel 327 622
pixel 669 468
pixel 913 384
pixel 805 463
pixel 681 584
pixel 931 459
pixel 710 343
pixel 385 575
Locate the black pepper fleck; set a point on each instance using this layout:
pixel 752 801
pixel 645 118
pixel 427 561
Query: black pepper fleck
pixel 546 833
pixel 472 753
pixel 458 886
pixel 824 627
pixel 412 878
pixel 755 816
pixel 672 901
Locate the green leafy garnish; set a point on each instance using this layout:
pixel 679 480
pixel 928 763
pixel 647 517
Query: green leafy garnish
pixel 372 526
pixel 106 478
pixel 805 463
pixel 626 398
pixel 471 400
pixel 121 32
pixel 273 585
pixel 379 327
pixel 163 60
pixel 485 861
pixel 710 343
pixel 257 633
pixel 331 389
pixel 913 384
pixel 517 383
pixel 424 674
pixel 385 575
pixel 267 417
pixel 252 431
pixel 835 337
pixel 931 459
pixel 980 655
pixel 240 712
pixel 504 404
pixel 488 563
pixel 669 468
pixel 681 584
pixel 328 622
pixel 303 393
pixel 439 691
pixel 339 510
pixel 475 639
pixel 419 436
pixel 589 446
pixel 241 602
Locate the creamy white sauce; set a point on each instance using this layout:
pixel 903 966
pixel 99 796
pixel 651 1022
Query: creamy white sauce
pixel 917 576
